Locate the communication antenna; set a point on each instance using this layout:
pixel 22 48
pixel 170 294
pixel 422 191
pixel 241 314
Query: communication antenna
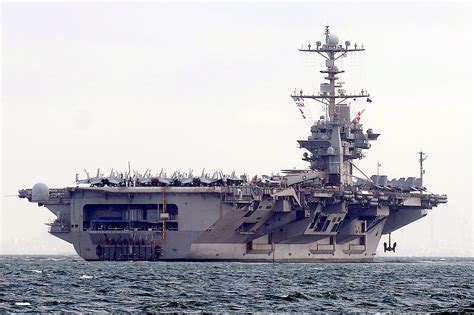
pixel 328 94
pixel 423 157
pixel 378 167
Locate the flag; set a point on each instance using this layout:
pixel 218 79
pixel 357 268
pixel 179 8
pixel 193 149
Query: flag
pixel 299 101
pixel 356 119
pixel 302 113
pixel 369 100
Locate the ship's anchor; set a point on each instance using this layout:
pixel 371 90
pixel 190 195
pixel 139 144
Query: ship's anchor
pixel 389 248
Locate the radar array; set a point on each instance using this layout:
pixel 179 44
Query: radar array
pixel 331 51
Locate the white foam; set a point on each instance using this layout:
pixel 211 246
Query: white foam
pixel 87 277
pixel 22 304
pixel 36 271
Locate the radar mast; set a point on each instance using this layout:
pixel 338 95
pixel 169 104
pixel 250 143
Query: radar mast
pixel 336 139
pixel 331 51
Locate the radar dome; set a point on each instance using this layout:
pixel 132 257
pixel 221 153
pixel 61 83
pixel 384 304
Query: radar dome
pixel 332 40
pixel 39 192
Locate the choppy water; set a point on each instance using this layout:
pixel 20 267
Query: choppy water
pixel 48 284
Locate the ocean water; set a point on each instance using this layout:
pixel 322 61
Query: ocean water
pixel 67 283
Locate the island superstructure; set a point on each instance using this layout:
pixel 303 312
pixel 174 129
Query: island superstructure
pixel 322 213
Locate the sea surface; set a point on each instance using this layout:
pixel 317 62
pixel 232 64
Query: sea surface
pixel 70 284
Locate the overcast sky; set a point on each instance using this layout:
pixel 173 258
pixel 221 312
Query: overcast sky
pixel 180 86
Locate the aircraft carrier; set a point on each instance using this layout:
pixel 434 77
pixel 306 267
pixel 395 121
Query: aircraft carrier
pixel 323 213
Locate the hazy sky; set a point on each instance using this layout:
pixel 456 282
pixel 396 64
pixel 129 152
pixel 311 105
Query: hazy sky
pixel 179 86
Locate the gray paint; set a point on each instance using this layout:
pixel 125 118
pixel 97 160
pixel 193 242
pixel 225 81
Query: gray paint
pixel 316 214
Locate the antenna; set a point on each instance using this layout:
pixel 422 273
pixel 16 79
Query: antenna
pixel 422 158
pixel 332 135
pixel 378 167
pixel 331 50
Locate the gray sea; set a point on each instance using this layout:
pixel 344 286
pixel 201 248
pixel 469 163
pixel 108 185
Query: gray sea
pixel 70 284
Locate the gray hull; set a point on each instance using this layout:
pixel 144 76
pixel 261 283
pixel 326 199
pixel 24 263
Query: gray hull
pixel 217 223
pixel 316 214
